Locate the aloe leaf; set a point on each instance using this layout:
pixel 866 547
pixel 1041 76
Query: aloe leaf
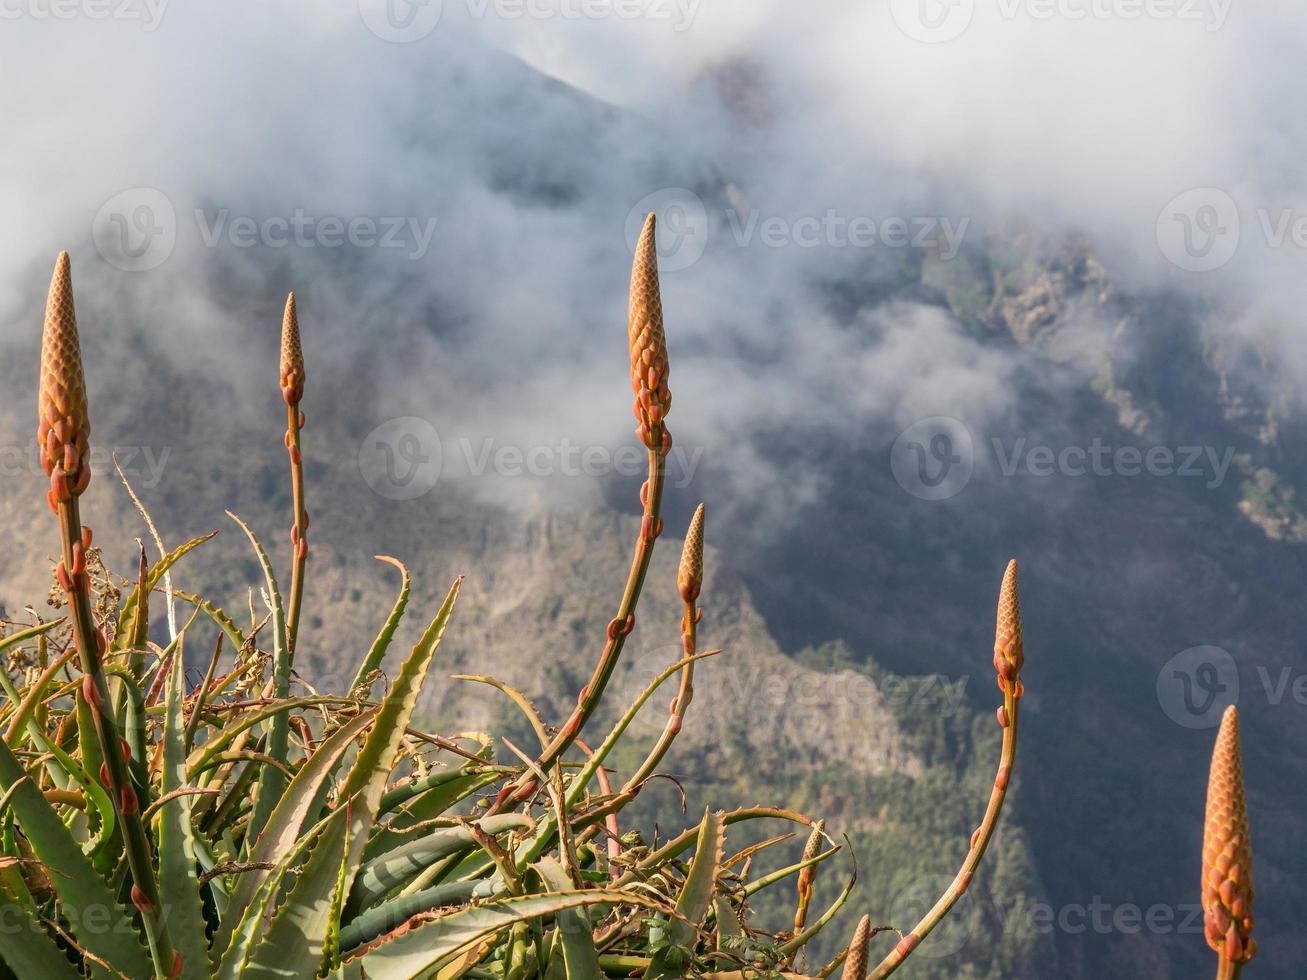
pixel 400 865
pixel 450 782
pixel 381 644
pixel 728 926
pixel 179 886
pixel 298 805
pixel 294 944
pixel 382 918
pixel 575 934
pixel 236 953
pixel 432 945
pixel 368 778
pixel 24 710
pixel 76 881
pixel 371 770
pixel 272 783
pixel 432 802
pixel 215 613
pixel 696 896
pixel 28 950
pixel 157 571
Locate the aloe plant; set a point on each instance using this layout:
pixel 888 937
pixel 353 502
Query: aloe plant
pixel 238 827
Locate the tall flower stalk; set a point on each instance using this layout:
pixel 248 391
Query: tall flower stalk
pixel 653 400
pixel 63 433
pixel 689 582
pixel 1009 656
pixel 292 391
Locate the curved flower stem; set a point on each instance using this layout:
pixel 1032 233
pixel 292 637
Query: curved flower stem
pixel 618 630
pixel 689 635
pixel 1227 969
pixel 979 842
pixel 1009 656
pixel 300 530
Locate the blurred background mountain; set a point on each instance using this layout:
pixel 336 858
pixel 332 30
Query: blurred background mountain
pixel 888 380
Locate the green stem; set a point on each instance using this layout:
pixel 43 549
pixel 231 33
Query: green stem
pixel 301 530
pixel 689 639
pixel 617 633
pixel 980 841
pixel 125 802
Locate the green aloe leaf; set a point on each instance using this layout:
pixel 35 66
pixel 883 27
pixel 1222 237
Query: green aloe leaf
pixel 695 899
pixel 80 889
pixel 272 782
pixel 156 573
pixel 28 950
pixel 575 935
pixel 370 774
pixel 215 613
pixel 294 945
pixel 179 885
pixel 434 944
pixel 382 643
pixel 402 864
pixel 298 807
